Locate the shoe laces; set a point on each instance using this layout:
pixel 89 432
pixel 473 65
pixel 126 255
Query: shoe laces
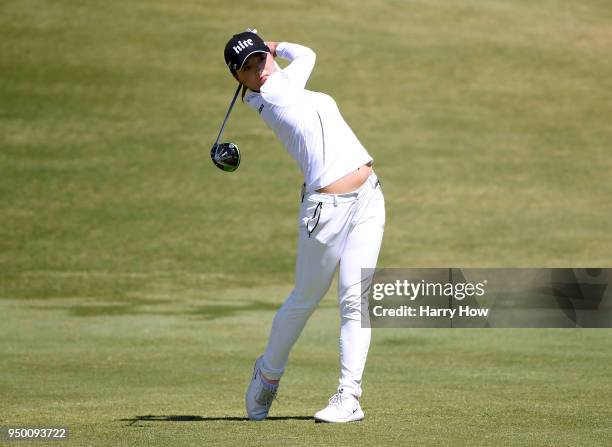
pixel 267 394
pixel 336 399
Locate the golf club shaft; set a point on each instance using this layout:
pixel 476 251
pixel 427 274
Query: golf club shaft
pixel 227 115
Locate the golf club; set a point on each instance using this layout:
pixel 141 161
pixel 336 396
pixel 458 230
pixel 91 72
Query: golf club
pixel 226 156
pixel 227 115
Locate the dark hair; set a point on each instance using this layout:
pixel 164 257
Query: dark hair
pixel 244 87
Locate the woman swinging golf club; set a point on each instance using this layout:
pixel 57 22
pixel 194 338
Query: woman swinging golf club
pixel 342 216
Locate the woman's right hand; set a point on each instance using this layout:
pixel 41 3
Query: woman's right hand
pixel 272 46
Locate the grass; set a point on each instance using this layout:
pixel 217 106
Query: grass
pixel 174 372
pixel 137 280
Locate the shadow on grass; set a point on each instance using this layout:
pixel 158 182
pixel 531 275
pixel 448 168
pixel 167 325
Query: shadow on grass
pixel 193 418
pixel 146 307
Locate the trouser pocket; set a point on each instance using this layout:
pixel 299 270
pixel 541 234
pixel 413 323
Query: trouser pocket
pixel 311 224
pixel 324 221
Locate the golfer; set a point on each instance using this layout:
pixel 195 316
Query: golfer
pixel 341 222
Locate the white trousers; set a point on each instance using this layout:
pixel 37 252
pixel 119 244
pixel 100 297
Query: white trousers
pixel 334 229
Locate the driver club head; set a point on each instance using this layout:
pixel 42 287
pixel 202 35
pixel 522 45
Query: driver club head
pixel 225 156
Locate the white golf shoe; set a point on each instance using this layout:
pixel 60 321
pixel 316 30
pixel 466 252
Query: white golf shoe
pixel 342 407
pixel 260 394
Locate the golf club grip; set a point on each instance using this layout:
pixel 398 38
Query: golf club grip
pixel 227 114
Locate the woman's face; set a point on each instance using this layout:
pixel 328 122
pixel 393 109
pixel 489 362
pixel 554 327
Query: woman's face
pixel 256 70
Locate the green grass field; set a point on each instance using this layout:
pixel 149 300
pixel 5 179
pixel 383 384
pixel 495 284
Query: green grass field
pixel 138 283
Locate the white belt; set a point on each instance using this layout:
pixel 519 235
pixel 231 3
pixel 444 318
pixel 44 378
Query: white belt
pixel 371 182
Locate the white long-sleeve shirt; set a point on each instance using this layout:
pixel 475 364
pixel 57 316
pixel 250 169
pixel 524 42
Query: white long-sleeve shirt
pixel 308 123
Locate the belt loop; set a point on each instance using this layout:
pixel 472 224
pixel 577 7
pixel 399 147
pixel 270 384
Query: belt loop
pixel 335 201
